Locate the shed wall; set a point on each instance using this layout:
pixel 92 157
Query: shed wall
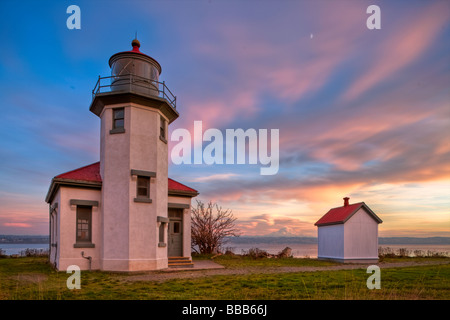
pixel 331 241
pixel 361 236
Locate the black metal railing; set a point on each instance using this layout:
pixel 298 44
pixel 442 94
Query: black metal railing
pixel 134 83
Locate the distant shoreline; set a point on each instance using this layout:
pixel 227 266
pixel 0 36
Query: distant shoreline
pixel 38 239
pixel 313 240
pixel 23 239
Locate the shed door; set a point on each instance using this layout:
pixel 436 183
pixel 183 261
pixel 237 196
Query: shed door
pixel 175 245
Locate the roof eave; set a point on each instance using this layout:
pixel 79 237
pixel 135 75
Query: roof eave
pixel 57 182
pixel 328 223
pixel 371 213
pixel 183 193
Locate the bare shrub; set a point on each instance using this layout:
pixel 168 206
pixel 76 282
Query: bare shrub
pixel 34 252
pixel 403 252
pixel 386 252
pixel 211 225
pixel 419 253
pixel 256 253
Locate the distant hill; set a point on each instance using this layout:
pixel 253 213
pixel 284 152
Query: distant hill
pixel 283 232
pixel 412 240
pixel 313 240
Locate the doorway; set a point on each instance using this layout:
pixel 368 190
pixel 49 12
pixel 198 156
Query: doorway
pixel 175 241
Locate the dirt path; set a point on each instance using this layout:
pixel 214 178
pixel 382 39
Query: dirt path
pixel 162 276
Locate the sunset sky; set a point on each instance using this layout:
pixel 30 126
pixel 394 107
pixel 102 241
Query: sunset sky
pixel 361 113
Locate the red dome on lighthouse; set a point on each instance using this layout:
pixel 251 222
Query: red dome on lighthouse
pixel 135 53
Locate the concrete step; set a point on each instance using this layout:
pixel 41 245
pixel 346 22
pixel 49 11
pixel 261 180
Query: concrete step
pixel 181 265
pixel 180 262
pixel 179 259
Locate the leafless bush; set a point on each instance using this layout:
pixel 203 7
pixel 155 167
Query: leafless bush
pixel 211 225
pixel 229 251
pixel 255 253
pixel 403 252
pixel 435 254
pixel 419 253
pixel 34 253
pixel 387 252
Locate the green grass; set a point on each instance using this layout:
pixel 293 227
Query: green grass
pixel 238 261
pixel 33 278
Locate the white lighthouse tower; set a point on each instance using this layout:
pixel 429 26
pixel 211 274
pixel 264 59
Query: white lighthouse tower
pixel 124 213
pixel 135 110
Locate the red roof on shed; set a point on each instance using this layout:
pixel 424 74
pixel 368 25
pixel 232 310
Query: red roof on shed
pixel 91 173
pixel 342 214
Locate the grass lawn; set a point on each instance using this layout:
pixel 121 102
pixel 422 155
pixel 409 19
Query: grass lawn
pixel 33 278
pixel 238 261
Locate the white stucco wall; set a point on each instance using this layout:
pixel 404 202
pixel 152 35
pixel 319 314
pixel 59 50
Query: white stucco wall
pixel 331 241
pixel 149 153
pixel 67 254
pixel 130 228
pixel 361 236
pixel 115 172
pixel 55 231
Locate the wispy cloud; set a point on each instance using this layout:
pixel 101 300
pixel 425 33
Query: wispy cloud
pixel 266 224
pixel 215 177
pixel 402 47
pixel 17 224
pixel 361 113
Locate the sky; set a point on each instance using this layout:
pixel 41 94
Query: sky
pixel 361 113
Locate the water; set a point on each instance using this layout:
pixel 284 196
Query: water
pixel 310 250
pixel 16 248
pixel 299 250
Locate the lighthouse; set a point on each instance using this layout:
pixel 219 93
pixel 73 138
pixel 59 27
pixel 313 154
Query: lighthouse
pixel 132 216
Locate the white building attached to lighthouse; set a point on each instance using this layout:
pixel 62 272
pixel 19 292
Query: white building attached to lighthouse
pixel 124 213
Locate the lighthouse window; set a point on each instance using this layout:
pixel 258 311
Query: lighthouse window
pixel 162 129
pixel 143 187
pixel 118 118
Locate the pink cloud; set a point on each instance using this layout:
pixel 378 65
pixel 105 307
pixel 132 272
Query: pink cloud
pixel 17 224
pixel 257 66
pixel 23 211
pixel 402 48
pixel 265 224
pixel 216 111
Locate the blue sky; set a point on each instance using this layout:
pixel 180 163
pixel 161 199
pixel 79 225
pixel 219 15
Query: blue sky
pixel 361 113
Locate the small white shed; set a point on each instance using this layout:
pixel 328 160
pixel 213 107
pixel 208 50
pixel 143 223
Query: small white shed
pixel 348 233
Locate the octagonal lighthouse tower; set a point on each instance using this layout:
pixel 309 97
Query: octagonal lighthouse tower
pixel 135 110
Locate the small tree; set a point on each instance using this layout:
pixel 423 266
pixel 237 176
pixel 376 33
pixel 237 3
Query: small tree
pixel 210 227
